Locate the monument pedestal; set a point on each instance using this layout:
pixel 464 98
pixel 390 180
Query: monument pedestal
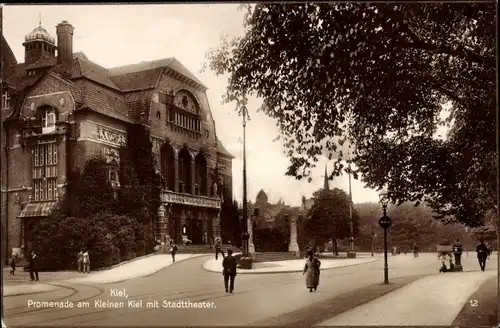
pixel 251 246
pixel 294 245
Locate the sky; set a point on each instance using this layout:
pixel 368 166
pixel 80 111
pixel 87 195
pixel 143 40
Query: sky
pixel 114 35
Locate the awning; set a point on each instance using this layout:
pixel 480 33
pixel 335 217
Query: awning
pixel 37 209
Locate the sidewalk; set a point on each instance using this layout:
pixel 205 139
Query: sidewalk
pixel 134 269
pixel 431 301
pixel 289 266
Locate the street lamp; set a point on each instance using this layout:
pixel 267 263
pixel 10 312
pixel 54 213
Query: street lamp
pixel 246 260
pixel 385 222
pixel 374 235
pixel 351 253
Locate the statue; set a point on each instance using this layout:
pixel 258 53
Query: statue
pixel 215 189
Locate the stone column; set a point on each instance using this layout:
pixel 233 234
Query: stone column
pixel 251 247
pixel 293 246
pixel 192 173
pixel 176 168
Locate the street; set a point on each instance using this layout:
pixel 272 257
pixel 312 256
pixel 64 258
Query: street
pixel 257 297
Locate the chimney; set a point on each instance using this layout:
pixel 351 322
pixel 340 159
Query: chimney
pixel 64 42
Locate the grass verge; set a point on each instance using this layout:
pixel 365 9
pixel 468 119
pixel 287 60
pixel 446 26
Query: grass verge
pixel 482 309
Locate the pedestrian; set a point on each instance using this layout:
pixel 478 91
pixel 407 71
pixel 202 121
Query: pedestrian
pixel 13 261
pixel 173 250
pixel 86 262
pixel 229 270
pixel 312 270
pixel 33 264
pixel 79 260
pixel 415 250
pixel 488 245
pixel 482 254
pixel 218 248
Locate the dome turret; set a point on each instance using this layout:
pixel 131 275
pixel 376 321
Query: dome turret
pixel 40 34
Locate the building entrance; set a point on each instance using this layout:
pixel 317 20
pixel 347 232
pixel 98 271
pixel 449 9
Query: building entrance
pixel 196 231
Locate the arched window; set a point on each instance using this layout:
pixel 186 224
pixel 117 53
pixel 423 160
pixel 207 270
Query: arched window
pixel 184 171
pixel 200 175
pixel 167 165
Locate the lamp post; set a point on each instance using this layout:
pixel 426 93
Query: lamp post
pixel 374 235
pixel 351 253
pixel 385 222
pixel 246 260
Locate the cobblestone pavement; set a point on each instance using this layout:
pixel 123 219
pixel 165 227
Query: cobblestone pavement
pixel 197 297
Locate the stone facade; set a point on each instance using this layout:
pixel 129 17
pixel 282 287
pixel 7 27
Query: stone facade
pixel 55 119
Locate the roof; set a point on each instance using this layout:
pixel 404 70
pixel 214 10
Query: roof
pixel 170 63
pixel 85 68
pixel 261 194
pixel 40 34
pixel 9 59
pixel 43 62
pixel 104 101
pixel 222 150
pixel 137 80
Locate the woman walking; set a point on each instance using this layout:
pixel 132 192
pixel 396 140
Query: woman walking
pixel 311 270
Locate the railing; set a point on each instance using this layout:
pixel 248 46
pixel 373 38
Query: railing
pixel 168 196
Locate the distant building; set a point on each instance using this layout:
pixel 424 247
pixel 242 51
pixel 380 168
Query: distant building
pixel 59 108
pixel 266 212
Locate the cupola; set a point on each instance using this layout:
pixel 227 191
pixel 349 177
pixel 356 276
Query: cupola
pixel 38 44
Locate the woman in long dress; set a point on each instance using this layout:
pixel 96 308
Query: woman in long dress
pixel 311 270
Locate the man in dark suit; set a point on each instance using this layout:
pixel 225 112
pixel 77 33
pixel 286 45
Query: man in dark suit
pixel 482 254
pixel 229 270
pixel 33 263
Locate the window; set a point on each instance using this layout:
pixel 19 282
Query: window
pixel 45 171
pixel 48 120
pixel 113 176
pixel 158 115
pixel 5 100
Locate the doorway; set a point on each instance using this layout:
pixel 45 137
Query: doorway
pixel 196 231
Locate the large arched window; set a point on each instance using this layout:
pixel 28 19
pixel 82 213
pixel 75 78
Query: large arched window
pixel 200 187
pixel 184 171
pixel 167 165
pixel 186 112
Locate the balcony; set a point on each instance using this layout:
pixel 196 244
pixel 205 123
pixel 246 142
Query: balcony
pixel 171 197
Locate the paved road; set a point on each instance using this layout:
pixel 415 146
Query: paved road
pixel 256 298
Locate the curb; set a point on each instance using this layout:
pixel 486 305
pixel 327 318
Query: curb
pixel 125 262
pixel 142 276
pixel 30 293
pixel 288 271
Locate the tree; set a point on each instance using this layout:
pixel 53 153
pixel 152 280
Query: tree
pixel 93 193
pixel 148 185
pixel 329 217
pixel 230 222
pixel 377 76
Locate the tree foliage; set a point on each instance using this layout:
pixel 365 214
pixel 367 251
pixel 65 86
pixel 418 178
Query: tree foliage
pixel 91 190
pixel 410 224
pixel 329 216
pixel 148 183
pixel 377 75
pixel 230 223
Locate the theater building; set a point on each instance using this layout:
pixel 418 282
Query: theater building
pixel 59 108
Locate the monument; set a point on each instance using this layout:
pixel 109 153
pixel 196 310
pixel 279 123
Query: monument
pixel 251 247
pixel 293 246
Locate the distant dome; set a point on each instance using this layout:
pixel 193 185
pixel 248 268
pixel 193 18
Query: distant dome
pixel 40 34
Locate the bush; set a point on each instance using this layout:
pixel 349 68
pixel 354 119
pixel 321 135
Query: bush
pixel 270 240
pixel 109 239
